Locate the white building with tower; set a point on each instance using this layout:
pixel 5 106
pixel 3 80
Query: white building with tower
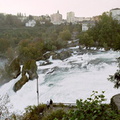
pixel 56 18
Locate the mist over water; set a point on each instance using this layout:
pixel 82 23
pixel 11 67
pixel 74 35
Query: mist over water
pixel 65 81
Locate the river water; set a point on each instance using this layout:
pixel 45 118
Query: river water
pixel 67 80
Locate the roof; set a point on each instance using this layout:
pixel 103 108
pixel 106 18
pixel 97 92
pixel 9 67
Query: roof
pixel 116 9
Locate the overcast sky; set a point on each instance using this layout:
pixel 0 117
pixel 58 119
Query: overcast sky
pixel 81 8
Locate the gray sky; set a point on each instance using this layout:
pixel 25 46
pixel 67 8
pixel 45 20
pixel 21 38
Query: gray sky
pixel 82 8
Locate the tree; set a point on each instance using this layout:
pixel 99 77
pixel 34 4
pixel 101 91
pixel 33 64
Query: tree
pixel 31 49
pixel 2 20
pixel 65 35
pixel 106 33
pixel 30 17
pixel 11 53
pixel 86 39
pixel 4 44
pixel 92 109
pixel 13 21
pixel 116 77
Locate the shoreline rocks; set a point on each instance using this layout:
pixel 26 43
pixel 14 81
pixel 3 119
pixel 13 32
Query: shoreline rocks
pixel 115 103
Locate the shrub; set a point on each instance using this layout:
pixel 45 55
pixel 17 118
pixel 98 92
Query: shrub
pixel 33 112
pixel 92 109
pixel 55 115
pixel 116 77
pixel 30 68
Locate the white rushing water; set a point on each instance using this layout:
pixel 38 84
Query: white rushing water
pixel 65 81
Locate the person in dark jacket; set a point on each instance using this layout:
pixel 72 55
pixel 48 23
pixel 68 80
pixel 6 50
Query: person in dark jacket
pixel 51 103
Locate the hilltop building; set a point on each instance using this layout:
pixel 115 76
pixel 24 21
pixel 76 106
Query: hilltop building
pixel 70 17
pixel 79 19
pixel 87 24
pixel 56 18
pixel 84 27
pixel 30 23
pixel 115 13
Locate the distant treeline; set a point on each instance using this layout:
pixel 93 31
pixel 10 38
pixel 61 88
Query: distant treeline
pixel 31 43
pixel 10 21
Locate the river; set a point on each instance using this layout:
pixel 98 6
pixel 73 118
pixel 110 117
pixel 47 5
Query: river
pixel 67 80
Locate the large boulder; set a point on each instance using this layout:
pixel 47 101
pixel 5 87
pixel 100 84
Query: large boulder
pixel 115 103
pixel 63 54
pixel 30 68
pixel 29 72
pixel 18 85
pixel 50 53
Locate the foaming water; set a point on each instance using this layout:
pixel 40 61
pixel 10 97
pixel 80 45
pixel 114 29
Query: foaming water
pixel 65 81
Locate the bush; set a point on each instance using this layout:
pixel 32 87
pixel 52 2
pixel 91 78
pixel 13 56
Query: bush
pixel 92 109
pixel 55 115
pixel 30 68
pixel 116 77
pixel 33 112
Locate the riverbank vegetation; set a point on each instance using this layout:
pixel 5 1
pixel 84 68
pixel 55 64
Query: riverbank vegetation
pixel 31 43
pixel 92 108
pixel 24 42
pixel 105 33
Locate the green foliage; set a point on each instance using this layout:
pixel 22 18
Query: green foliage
pixel 55 115
pixel 33 112
pixel 65 35
pixel 32 43
pixel 30 49
pixel 9 20
pixel 116 77
pixel 12 21
pixel 4 44
pixel 30 68
pixel 11 54
pixel 105 33
pixel 30 65
pixel 86 40
pixel 92 109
